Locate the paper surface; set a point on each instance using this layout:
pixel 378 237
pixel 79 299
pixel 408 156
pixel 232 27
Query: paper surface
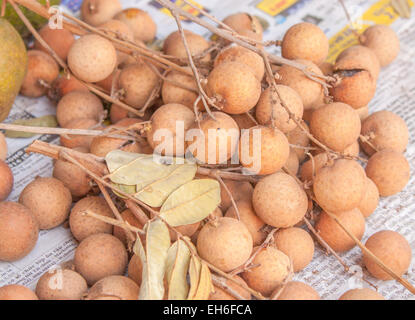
pixel 395 92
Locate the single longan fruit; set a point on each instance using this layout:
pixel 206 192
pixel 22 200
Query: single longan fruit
pixel 370 199
pixel 61 284
pixel 92 58
pixel 334 235
pixel 79 141
pixel 247 216
pixel 110 83
pixel 114 286
pixel 225 242
pixel 385 130
pixel 73 177
pixel 138 81
pixel 213 141
pixel 310 168
pixel 19 231
pixel 42 70
pixel 17 292
pixel 310 91
pixel 60 40
pixel 78 105
pixel 272 267
pixel 63 85
pixel 176 119
pixel 360 57
pixel 3 147
pixel 242 55
pixel 83 226
pixel 130 218
pixel 336 125
pixel 392 249
pixel 245 24
pixel 117 113
pixel 376 37
pixel 299 138
pixel 100 255
pixel 240 190
pixel 292 163
pixel 340 186
pixel 49 200
pixel 174 94
pixel 297 290
pixel 269 108
pixel 140 22
pixel 244 120
pixel 96 12
pixel 305 41
pixel 263 150
pixel 297 244
pixel 389 170
pixel 279 200
pixel 220 294
pixel 361 294
pixel 135 269
pixel 6 181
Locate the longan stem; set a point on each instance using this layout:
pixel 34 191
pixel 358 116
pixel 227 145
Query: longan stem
pixel 112 221
pixel 238 215
pixel 221 283
pixel 137 212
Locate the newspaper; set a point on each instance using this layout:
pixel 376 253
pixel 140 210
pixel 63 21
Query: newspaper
pixel 395 92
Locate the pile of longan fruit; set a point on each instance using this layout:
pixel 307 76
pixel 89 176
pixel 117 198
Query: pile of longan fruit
pixel 296 178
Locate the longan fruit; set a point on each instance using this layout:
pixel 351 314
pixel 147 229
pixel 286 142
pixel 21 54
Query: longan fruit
pixel 96 12
pixel 19 231
pixel 389 170
pixel 240 190
pixel 130 218
pixel 242 55
pixel 17 292
pixel 117 113
pixel 270 110
pixel 298 137
pixel 64 84
pixel 174 94
pixel 6 181
pixel 92 58
pixel 138 81
pixel 48 199
pixel 225 242
pixel 135 269
pixel 292 163
pixel 370 199
pixel 360 57
pixel 310 91
pixel 392 249
pixel 42 70
pixel 110 83
pixel 297 244
pixel 273 150
pixel 244 121
pixel 245 24
pixel 334 235
pixel 363 112
pixel 305 41
pixel 250 219
pixel 337 125
pixel 361 294
pixel 213 141
pixel 140 22
pixel 169 117
pixel 220 294
pixel 279 200
pixel 100 255
pixel 340 185
pixel 352 150
pixel 235 87
pixel 384 130
pixel 297 290
pixel 383 41
pixel 77 105
pixel 326 68
pixel 83 226
pixel 79 141
pixel 187 230
pixel 60 40
pixel 319 161
pixel 114 286
pixel 73 177
pixel 3 147
pixel 61 284
pixel 272 266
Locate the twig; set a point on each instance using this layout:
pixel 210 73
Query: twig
pixel 221 283
pixel 122 224
pixel 137 212
pixel 238 215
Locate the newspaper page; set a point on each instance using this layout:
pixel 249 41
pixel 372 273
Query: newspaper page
pixel 395 92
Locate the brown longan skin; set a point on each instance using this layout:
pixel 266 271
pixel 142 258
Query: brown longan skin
pixel 298 137
pixel 73 177
pixel 174 94
pixel 100 255
pixel 244 120
pixel 297 290
pixel 297 244
pixel 3 147
pixel 336 125
pixel 19 231
pixel 334 235
pixel 235 86
pixel 96 12
pixel 240 190
pixel 40 67
pixel 140 22
pixel 225 242
pixel 49 200
pixel 352 150
pixel 358 57
pixel 6 181
pixel 370 199
pixel 116 286
pixel 389 170
pixel 272 267
pixel 16 292
pixel 384 130
pixel 292 164
pixel 79 141
pixel 305 41
pixel 61 284
pixel 363 112
pixel 220 294
pixel 245 24
pixel 340 186
pixel 279 200
pixel 83 226
pixel 117 113
pixel 361 294
pixel 60 40
pixel 269 107
pixel 392 249
pixel 135 269
pixel 63 85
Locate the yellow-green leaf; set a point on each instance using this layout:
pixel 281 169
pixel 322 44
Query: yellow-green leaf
pixel 178 259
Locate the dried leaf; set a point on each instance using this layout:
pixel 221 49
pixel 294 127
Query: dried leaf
pixel 195 267
pixel 205 283
pixel 45 121
pixel 178 259
pixel 191 203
